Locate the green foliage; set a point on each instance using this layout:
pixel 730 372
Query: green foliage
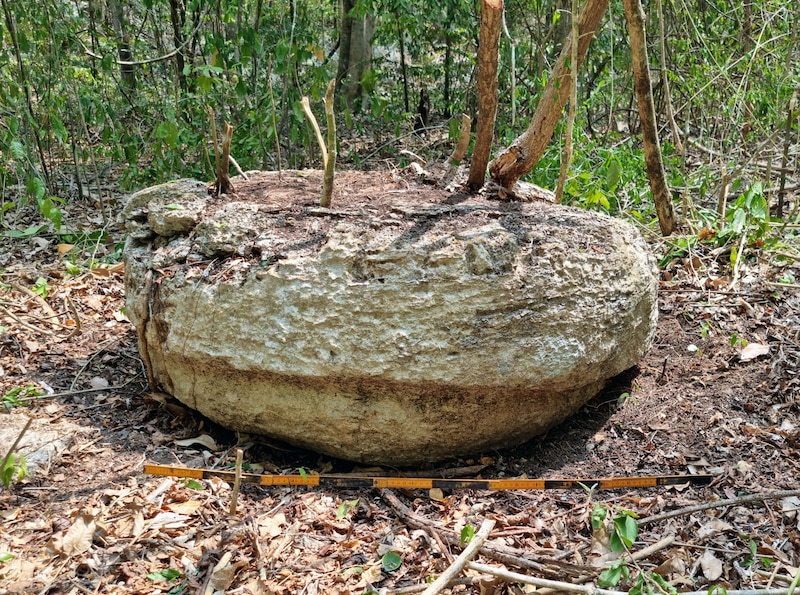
pixel 164 575
pixel 193 484
pixel 344 507
pixel 611 576
pixel 14 468
pixel 391 561
pixel 6 557
pixel 14 397
pixel 467 533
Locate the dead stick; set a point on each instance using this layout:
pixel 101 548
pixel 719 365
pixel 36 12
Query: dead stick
pixel 39 299
pixel 651 549
pixel 77 330
pixel 25 324
pixel 501 553
pixel 313 121
pixel 214 139
pixel 237 481
pixel 458 565
pixel 719 504
pixel 330 164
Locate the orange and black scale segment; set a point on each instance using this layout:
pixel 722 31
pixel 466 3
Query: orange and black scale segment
pixel 356 481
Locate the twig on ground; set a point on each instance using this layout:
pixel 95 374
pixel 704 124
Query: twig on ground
pixel 463 580
pixel 237 482
pixel 25 324
pixel 515 577
pixel 718 504
pixel 651 549
pixel 458 565
pixel 38 299
pixel 77 329
pixel 504 554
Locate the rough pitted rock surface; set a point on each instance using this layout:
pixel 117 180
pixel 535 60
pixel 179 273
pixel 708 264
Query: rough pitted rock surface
pixel 404 324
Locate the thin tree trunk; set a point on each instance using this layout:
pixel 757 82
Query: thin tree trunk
pixel 177 13
pixel 662 198
pixel 345 34
pixel 127 71
pixel 676 135
pixel 526 150
pixel 566 157
pixel 491 23
pixel 400 38
pixel 23 81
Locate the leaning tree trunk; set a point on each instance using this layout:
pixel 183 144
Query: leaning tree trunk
pixel 634 13
pixel 526 150
pixel 491 19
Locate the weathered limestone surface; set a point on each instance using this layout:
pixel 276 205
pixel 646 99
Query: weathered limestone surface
pixel 391 333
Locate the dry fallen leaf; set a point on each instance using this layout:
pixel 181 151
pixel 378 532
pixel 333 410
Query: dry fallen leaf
pixel 711 565
pixel 436 494
pixel 271 526
pixel 202 440
pixel 222 575
pixel 188 507
pixel 752 351
pixel 77 539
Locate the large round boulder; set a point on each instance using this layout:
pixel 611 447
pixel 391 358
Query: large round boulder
pixel 404 324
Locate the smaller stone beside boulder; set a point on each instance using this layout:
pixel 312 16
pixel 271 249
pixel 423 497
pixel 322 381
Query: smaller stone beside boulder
pixel 403 325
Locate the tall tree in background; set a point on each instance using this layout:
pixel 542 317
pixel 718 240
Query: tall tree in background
pixel 634 13
pixel 491 21
pixel 355 50
pixel 119 24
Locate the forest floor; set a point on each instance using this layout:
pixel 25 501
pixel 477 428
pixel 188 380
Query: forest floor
pixel 717 394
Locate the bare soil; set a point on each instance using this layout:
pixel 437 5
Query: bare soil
pixel 717 394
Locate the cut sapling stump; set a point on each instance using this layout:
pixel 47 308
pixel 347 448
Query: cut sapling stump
pixel 222 184
pixel 329 151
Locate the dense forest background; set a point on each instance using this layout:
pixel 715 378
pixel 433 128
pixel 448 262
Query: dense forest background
pixel 105 89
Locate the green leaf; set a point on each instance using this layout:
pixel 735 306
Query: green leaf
pixel 613 174
pixel 17 150
pixel 759 209
pixel 627 529
pixel 35 188
pixel 58 128
pixel 40 287
pixel 193 484
pixel 391 561
pixel 6 557
pixel 168 132
pixel 611 576
pixel 739 220
pixel 25 233
pixel 467 533
pixel 165 574
pixel 662 583
pixel 599 513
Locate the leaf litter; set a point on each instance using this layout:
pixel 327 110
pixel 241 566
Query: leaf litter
pixel 91 522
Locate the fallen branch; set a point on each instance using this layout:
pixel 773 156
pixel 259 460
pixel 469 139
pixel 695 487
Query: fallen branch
pixel 718 504
pixel 458 565
pixel 515 577
pixel 504 554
